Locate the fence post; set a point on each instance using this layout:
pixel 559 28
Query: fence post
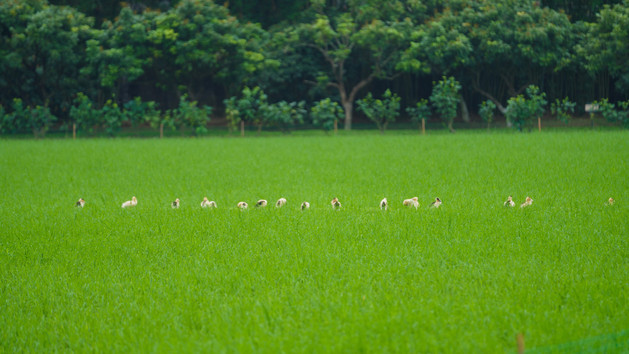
pixel 242 128
pixel 73 131
pixel 520 341
pixel 161 130
pixel 336 126
pixel 539 123
pixel 423 126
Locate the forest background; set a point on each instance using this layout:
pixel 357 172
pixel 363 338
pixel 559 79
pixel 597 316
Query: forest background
pixel 173 63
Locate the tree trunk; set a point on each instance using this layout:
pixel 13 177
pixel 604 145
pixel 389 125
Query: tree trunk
pixel 242 128
pixel 161 130
pixel 336 126
pixel 73 131
pixel 423 126
pixel 259 129
pixel 465 113
pixel 348 107
pixel 450 125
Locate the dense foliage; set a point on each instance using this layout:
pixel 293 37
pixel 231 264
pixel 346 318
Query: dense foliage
pixel 52 54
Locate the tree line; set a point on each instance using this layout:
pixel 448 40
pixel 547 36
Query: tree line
pixel 276 62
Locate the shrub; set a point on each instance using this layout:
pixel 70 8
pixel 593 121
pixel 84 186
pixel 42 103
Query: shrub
pixel 419 113
pixel 326 114
pixel 111 117
pixel 285 115
pixel 445 98
pixel 189 114
pixel 486 111
pixel 381 111
pixel 82 113
pixel 613 113
pixel 15 120
pixel 562 109
pixel 521 110
pixel 39 120
pixel 135 110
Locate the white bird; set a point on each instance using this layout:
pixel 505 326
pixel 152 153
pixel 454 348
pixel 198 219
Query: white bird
pixel 261 203
pixel 208 204
pixel 436 203
pixel 243 205
pixel 509 202
pixel 335 203
pixel 175 204
pixel 527 202
pixel 383 204
pixel 130 203
pixel 80 203
pixel 305 205
pixel 411 202
pixel 280 203
pixel 610 201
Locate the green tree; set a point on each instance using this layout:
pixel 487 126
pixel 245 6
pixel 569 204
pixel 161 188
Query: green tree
pixel 118 54
pixel 380 111
pixel 326 114
pixel 41 52
pixel 349 39
pixel 445 98
pixel 198 42
pixel 606 47
pixel 497 48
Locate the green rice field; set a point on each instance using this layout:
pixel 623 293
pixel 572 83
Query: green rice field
pixel 466 277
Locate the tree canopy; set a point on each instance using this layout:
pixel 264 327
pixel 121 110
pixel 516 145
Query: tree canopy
pixel 55 55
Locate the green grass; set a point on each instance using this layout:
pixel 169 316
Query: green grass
pixel 467 277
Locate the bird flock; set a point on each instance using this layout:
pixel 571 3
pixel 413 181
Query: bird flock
pixel 336 204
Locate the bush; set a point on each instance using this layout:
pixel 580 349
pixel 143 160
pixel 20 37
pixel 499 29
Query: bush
pixel 135 110
pixel 445 99
pixel 252 107
pixel 82 113
pixel 613 113
pixel 192 116
pixel 420 112
pixel 326 113
pixel 381 111
pixel 15 121
pixel 39 120
pixel 486 111
pixel 521 111
pixel 231 112
pixel 562 109
pixel 285 115
pixel 111 117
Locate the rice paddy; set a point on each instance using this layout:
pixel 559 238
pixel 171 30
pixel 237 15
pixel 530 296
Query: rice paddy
pixel 468 276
